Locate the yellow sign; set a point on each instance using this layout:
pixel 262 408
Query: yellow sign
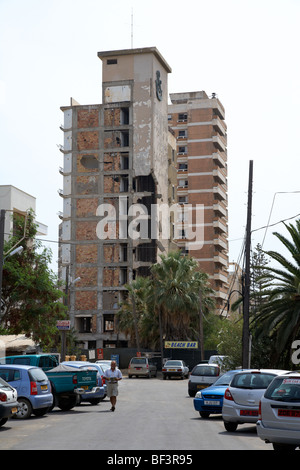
pixel 181 344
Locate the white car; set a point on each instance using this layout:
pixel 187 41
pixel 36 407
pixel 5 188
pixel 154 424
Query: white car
pixel 175 368
pixel 202 376
pixel 242 397
pixel 279 414
pixel 8 401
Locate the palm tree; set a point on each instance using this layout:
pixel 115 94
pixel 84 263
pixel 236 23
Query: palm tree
pixel 178 287
pixel 134 308
pixel 279 313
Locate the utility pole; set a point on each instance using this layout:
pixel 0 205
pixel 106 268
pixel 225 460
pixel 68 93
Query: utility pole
pixel 201 340
pixel 246 309
pixel 2 222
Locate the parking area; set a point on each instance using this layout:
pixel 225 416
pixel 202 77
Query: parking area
pixel 151 414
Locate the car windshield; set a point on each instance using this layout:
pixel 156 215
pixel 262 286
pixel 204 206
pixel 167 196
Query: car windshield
pixel 252 380
pixel 206 370
pixel 224 379
pixel 284 389
pixel 173 363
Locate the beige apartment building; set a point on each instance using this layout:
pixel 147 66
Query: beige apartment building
pixel 201 133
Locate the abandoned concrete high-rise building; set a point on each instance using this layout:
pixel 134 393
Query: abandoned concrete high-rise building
pixel 117 155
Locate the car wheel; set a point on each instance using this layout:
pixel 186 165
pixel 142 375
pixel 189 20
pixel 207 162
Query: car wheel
pixel 229 426
pixel 164 377
pixel 41 411
pixel 283 447
pixel 129 376
pixel 66 404
pixel 192 394
pixel 25 409
pixel 3 421
pixel 95 401
pixel 204 414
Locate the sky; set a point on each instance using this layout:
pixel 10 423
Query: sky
pixel 245 51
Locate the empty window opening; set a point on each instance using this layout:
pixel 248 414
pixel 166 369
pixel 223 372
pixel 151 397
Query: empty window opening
pixel 124 184
pixel 108 323
pixel 124 162
pixel 124 116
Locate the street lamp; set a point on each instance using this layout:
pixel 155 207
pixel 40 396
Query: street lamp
pixel 14 252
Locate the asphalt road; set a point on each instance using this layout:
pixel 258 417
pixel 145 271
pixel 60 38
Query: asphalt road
pixel 151 414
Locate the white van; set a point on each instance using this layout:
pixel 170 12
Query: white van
pixel 219 360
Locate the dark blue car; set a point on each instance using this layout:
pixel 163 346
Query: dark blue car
pixel 210 400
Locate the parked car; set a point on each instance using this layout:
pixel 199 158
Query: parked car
pixel 33 388
pixel 175 368
pixel 141 366
pixel 100 394
pixel 44 361
pixel 222 361
pixel 104 362
pixel 202 376
pixel 241 398
pixel 8 401
pixel 210 400
pixel 279 413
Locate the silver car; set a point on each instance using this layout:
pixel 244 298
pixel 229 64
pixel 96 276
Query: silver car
pixel 279 416
pixel 242 397
pixel 175 368
pixel 141 366
pixel 202 376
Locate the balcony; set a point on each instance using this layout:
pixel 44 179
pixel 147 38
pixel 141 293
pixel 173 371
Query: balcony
pixel 220 210
pixel 219 126
pixel 219 109
pixel 220 243
pixel 220 277
pixel 220 227
pixel 219 194
pixel 219 144
pixel 219 160
pixel 219 177
pixel 220 260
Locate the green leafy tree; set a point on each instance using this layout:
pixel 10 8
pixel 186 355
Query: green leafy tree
pixel 181 292
pixel 31 293
pixel 278 319
pixel 166 305
pixel 134 309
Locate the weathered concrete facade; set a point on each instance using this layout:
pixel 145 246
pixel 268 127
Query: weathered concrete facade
pixel 115 156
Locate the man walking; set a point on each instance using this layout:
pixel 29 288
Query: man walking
pixel 113 375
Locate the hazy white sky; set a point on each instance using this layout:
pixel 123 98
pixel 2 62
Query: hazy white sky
pixel 246 51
